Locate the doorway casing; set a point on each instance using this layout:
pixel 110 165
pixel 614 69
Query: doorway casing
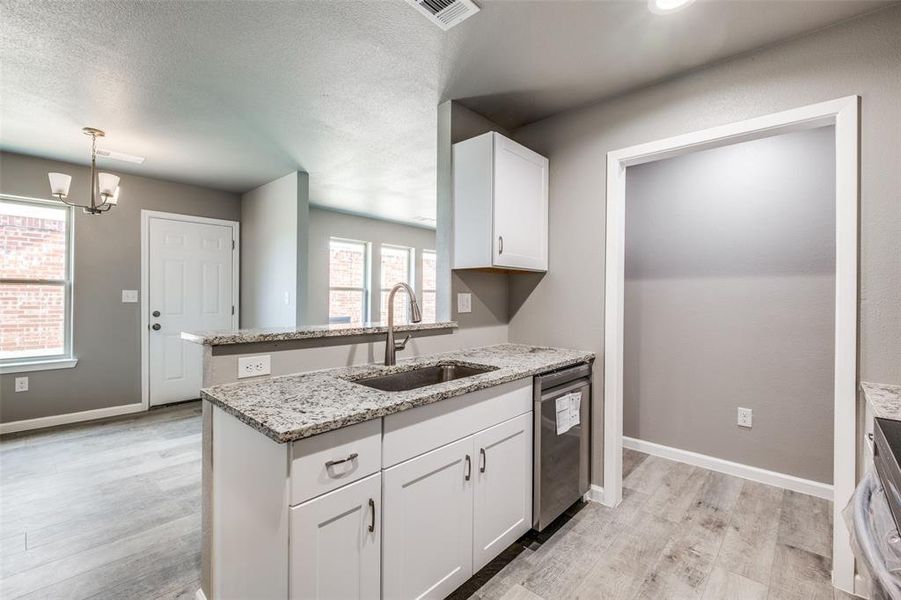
pixel 843 114
pixel 146 215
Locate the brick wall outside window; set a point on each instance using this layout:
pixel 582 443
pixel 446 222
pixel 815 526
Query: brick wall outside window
pixel 347 269
pixel 32 246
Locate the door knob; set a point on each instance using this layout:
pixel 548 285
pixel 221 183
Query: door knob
pixel 156 313
pixel 156 326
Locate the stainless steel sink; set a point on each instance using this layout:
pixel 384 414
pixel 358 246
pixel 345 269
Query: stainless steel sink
pixel 423 376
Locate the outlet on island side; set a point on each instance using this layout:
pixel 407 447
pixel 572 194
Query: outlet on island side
pixel 21 384
pixel 745 416
pixel 253 366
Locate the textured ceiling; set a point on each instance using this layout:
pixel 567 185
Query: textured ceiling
pixel 233 94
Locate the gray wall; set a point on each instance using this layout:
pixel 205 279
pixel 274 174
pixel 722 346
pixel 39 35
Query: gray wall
pixel 274 222
pixel 107 333
pixel 325 224
pixel 729 301
pixel 862 57
pixel 490 297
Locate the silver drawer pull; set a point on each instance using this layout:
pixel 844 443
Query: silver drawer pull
pixel 331 463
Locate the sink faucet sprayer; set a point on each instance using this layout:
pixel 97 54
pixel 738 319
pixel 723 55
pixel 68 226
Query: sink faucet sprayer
pixel 391 347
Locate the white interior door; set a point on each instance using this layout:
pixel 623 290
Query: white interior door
pixel 190 287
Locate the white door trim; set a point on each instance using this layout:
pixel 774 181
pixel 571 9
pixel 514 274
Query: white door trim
pixel 146 215
pixel 843 114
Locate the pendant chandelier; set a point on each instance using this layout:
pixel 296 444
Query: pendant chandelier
pixel 104 186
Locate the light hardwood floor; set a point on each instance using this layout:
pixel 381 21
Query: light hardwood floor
pixel 103 510
pixel 112 510
pixel 682 532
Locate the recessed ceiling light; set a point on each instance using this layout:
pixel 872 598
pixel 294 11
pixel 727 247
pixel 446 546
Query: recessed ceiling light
pixel 664 7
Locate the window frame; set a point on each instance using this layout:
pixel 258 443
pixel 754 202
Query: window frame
pixel 411 275
pixel 66 359
pixel 367 270
pixel 422 255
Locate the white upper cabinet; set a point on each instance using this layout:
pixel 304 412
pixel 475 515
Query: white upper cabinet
pixel 500 205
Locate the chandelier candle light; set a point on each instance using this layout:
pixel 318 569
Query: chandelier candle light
pixel 106 184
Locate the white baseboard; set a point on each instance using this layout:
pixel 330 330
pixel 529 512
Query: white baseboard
pixel 596 494
pixel 788 482
pixel 199 595
pixel 76 417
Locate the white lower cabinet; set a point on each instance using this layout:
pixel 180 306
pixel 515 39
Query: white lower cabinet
pixel 502 497
pixel 450 511
pixel 401 508
pixel 427 539
pixel 335 545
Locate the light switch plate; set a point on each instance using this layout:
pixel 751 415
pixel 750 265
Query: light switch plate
pixel 129 296
pixel 253 366
pixel 464 302
pixel 21 384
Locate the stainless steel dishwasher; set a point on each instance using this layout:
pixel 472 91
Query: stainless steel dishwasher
pixel 561 461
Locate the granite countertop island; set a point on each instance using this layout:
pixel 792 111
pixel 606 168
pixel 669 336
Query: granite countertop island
pixel 293 407
pixel 308 332
pixel 884 398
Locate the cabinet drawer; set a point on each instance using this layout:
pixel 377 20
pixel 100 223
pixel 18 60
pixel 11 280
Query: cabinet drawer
pixel 325 462
pixel 419 430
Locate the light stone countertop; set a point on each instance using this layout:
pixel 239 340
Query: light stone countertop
pixel 884 398
pixel 293 407
pixel 252 336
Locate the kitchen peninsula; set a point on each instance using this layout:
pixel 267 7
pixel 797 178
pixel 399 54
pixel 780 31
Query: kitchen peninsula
pixel 322 485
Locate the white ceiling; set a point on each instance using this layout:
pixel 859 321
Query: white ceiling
pixel 232 94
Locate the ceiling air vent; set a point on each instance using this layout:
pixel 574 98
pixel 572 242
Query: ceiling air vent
pixel 446 13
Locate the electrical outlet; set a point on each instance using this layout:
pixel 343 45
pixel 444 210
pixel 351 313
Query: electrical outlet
pixel 464 302
pixel 253 366
pixel 21 384
pixel 129 296
pixel 745 416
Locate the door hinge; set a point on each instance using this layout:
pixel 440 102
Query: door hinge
pixel 233 310
pixel 233 244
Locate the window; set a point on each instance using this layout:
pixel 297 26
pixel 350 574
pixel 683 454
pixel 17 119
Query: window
pixel 35 282
pixel 348 297
pixel 429 277
pixel 396 267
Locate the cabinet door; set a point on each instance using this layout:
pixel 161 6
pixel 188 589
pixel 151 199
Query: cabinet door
pixel 427 539
pixel 503 492
pixel 520 206
pixel 334 549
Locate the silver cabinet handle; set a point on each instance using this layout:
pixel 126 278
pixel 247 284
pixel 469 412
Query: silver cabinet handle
pixel 372 511
pixel 468 468
pixel 500 245
pixel 870 436
pixel 483 458
pixel 331 463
